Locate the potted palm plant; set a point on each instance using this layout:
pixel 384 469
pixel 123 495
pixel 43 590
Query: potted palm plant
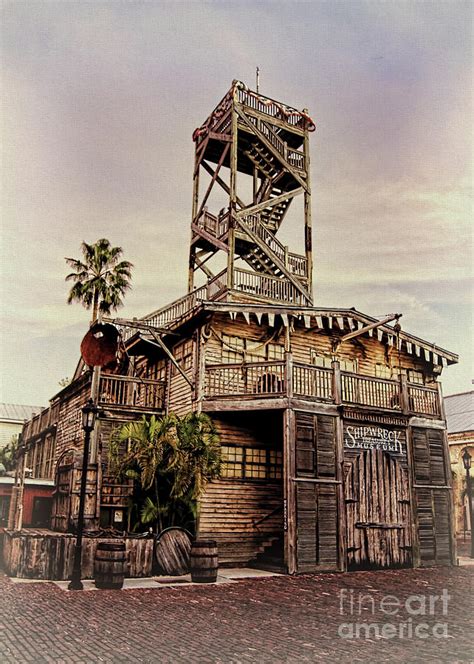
pixel 170 459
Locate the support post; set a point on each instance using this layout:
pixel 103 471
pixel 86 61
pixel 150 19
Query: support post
pixel 289 498
pixel 89 414
pixel 336 382
pixel 289 375
pixel 233 196
pixel 308 232
pixel 342 537
pixel 192 250
pixel 404 400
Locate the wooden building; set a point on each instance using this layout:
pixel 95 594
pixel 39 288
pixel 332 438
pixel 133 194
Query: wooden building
pixel 331 421
pixel 460 425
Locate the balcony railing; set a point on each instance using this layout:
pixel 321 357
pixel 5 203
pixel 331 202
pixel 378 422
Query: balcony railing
pixel 313 382
pixel 365 391
pixel 217 226
pixel 271 288
pixel 423 400
pixel 285 378
pixel 264 378
pixel 137 393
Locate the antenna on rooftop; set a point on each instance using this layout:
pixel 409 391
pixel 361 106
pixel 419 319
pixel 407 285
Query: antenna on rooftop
pixel 257 76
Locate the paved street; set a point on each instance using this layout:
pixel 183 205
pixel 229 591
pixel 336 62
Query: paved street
pixel 279 619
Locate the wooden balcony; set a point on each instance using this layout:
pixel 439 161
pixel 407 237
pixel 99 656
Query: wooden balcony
pixel 302 381
pixel 119 392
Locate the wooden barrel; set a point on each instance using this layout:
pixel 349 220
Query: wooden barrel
pixel 109 565
pixel 172 550
pixel 204 561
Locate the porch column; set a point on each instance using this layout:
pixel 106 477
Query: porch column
pixel 289 501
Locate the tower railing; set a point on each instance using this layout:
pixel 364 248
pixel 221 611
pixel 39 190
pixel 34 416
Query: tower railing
pixel 270 107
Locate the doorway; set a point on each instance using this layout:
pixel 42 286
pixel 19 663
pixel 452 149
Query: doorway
pixel 378 512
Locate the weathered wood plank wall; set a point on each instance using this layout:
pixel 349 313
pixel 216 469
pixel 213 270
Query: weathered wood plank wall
pixel 45 555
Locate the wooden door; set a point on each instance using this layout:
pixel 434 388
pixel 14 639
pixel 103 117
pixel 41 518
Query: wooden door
pixel 378 516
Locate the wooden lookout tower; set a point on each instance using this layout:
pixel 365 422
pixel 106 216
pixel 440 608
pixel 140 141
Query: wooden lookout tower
pixel 264 148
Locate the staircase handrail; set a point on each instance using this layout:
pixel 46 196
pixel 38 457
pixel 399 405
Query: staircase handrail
pixel 257 522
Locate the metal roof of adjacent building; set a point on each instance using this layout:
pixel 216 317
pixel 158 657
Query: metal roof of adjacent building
pixel 11 412
pixel 460 412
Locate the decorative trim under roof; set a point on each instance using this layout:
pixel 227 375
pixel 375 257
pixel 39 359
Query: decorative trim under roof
pixel 335 318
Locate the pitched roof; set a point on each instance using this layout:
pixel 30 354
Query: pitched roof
pixel 11 412
pixel 460 412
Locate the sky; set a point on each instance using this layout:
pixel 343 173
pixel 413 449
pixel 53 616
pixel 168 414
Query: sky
pixel 100 100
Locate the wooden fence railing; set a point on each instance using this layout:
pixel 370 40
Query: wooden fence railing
pixel 265 378
pixel 423 400
pixel 215 226
pixel 132 392
pixel 294 157
pixel 294 262
pixel 366 391
pixel 269 107
pixel 268 287
pixel 187 303
pixel 313 382
pixel 307 381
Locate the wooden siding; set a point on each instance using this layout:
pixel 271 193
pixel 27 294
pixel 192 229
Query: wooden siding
pixel 231 512
pixel 41 554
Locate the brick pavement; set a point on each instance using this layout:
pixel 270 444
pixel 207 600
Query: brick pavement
pixel 279 619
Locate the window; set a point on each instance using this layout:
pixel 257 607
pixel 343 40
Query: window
pixel 325 362
pixel 183 355
pixel 235 350
pixel 413 376
pixel 275 352
pixel 382 371
pixel 156 371
pixel 251 463
pixel 49 457
pixel 4 509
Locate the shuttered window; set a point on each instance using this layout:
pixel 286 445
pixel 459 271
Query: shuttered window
pixel 316 503
pixel 432 501
pixel 183 355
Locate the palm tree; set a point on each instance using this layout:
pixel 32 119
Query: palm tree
pixel 100 280
pixel 171 458
pixel 197 457
pixel 142 450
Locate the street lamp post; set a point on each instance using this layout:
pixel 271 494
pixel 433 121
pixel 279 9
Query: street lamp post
pixel 89 413
pixel 467 459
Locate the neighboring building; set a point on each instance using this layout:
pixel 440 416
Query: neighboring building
pixel 12 418
pixel 37 501
pixel 331 421
pixel 460 422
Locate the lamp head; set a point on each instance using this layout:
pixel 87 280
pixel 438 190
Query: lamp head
pixel 89 414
